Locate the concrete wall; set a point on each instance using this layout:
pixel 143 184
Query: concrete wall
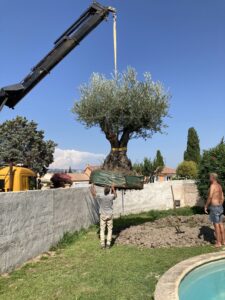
pixel 158 195
pixel 31 222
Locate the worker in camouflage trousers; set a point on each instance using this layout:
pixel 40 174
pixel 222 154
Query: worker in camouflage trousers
pixel 105 201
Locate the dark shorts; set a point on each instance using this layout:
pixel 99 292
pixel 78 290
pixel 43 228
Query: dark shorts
pixel 216 214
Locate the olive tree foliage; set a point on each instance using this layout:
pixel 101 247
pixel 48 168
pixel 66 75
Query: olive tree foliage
pixel 124 109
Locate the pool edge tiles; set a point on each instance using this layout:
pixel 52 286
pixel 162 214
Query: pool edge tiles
pixel 168 284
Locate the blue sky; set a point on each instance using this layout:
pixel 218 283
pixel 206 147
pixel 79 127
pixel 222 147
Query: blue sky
pixel 181 42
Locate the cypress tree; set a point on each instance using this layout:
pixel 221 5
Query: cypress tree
pixel 192 152
pixel 159 161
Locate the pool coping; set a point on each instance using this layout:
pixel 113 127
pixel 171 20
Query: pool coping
pixel 168 284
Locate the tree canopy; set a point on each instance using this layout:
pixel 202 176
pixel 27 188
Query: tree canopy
pixel 192 152
pixel 123 108
pixel 188 170
pixel 213 161
pixel 149 168
pixel 22 143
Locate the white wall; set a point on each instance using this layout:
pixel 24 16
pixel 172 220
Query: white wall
pixel 158 196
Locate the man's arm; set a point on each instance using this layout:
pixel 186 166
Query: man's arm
pixel 114 191
pixel 211 190
pixel 222 196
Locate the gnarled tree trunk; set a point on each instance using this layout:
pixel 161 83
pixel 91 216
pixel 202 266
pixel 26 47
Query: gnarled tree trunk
pixel 117 158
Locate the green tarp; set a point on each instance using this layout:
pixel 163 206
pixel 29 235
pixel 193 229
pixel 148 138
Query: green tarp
pixel 120 180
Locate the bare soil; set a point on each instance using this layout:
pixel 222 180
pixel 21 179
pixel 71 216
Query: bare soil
pixel 182 231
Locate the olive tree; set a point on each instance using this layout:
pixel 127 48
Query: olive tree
pixel 124 108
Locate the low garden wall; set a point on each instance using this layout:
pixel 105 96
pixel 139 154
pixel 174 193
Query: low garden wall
pixel 159 196
pixel 31 222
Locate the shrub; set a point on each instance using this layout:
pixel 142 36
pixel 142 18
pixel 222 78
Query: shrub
pixel 187 169
pixel 213 161
pixel 60 179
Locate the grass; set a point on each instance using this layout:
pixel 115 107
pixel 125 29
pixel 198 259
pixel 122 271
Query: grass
pixel 80 270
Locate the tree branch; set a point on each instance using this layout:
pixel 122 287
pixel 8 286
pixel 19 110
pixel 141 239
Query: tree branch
pixel 125 138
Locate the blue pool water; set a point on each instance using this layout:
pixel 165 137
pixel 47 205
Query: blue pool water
pixel 204 283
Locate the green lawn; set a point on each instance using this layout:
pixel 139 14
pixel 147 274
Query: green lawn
pixel 80 270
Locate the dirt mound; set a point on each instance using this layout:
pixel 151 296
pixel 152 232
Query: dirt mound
pixel 171 231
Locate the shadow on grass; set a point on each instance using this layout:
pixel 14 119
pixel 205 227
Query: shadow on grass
pixel 68 239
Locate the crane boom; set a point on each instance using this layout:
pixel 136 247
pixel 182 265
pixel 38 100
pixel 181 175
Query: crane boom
pixel 91 18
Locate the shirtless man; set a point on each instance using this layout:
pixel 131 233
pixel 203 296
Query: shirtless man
pixel 215 204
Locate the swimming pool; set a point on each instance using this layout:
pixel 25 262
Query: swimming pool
pixel 206 282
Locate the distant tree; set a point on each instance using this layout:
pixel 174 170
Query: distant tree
pixel 158 162
pixel 213 161
pixel 188 170
pixel 138 168
pixel 70 170
pixel 192 152
pixel 124 108
pixel 22 143
pixel 146 168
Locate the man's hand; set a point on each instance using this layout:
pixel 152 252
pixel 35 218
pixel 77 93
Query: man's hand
pixel 113 190
pixel 206 210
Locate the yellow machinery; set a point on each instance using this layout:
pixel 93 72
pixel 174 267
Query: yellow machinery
pixel 17 179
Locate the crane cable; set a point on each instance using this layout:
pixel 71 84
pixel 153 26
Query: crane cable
pixel 115 45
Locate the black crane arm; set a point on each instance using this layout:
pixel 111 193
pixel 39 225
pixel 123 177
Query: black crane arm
pixel 92 17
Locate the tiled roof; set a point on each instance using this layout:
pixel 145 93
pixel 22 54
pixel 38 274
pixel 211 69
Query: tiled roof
pixel 78 177
pixel 92 168
pixel 167 170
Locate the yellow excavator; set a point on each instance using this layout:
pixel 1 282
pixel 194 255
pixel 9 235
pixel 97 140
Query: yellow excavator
pixel 16 179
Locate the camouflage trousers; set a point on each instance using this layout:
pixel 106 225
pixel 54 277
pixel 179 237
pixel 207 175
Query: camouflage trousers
pixel 106 222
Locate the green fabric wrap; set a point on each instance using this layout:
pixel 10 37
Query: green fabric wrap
pixel 120 180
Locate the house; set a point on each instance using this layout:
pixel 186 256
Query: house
pixel 80 179
pixel 89 169
pixel 166 174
